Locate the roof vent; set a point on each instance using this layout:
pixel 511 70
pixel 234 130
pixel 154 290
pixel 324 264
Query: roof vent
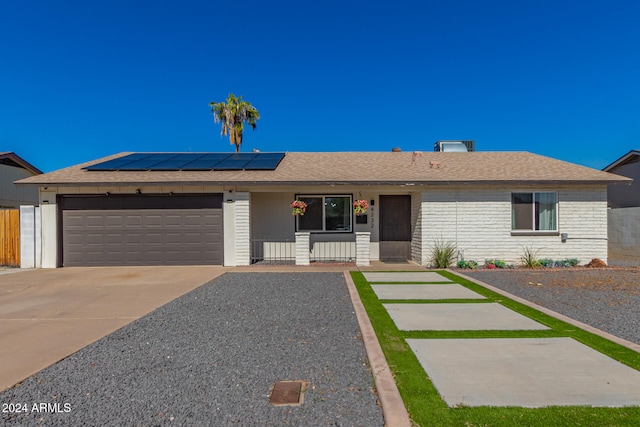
pixel 396 150
pixel 454 145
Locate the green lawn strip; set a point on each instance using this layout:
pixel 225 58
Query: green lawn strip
pixel 424 404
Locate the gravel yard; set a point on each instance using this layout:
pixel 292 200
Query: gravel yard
pixel 606 298
pixel 210 358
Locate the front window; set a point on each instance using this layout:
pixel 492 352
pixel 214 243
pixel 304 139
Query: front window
pixel 534 211
pixel 325 214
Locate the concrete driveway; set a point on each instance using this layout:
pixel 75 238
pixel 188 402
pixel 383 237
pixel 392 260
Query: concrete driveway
pixel 46 315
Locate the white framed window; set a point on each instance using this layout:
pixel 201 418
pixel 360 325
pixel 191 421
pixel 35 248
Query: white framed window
pixel 534 211
pixel 326 214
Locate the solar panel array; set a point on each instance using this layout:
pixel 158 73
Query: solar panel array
pixel 190 162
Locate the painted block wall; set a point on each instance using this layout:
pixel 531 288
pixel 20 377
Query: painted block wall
pixel 624 236
pixel 243 228
pixel 30 237
pixel 479 222
pixel 417 252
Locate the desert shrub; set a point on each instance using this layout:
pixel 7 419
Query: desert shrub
pixel 494 263
pixel 565 263
pixel 530 259
pixel 443 254
pixel 547 263
pixel 572 262
pixel 467 264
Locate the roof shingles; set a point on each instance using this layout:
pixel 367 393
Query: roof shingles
pixel 354 168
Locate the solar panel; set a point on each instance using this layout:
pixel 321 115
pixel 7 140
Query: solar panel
pixel 146 163
pixel 177 162
pixel 190 162
pixel 265 161
pixel 236 161
pixel 112 165
pixel 206 162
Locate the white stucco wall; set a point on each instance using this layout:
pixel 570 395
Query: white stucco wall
pixel 624 236
pixel 271 216
pixel 479 222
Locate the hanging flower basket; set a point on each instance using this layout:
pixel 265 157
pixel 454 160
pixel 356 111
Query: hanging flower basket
pixel 298 207
pixel 360 207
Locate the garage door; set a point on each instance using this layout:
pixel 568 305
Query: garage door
pixel 142 230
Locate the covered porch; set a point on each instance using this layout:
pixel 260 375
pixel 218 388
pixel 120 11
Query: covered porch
pixel 330 231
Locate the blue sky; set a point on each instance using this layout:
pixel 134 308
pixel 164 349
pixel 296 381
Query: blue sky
pixel 82 79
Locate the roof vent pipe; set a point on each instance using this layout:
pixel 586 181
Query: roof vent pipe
pixel 396 150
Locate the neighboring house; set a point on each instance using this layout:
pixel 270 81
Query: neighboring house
pixel 624 215
pixel 13 168
pixel 164 208
pixel 625 196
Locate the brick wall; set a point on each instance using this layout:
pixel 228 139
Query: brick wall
pixel 243 230
pixel 478 220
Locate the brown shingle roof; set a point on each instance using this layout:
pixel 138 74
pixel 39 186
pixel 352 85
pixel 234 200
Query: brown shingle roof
pixel 354 168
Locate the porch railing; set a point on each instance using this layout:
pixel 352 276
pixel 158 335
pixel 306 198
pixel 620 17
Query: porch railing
pixel 305 249
pixel 333 252
pixel 270 251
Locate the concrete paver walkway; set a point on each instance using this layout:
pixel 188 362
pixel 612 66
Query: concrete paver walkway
pixel 458 317
pixel 430 292
pixel 408 276
pixel 527 372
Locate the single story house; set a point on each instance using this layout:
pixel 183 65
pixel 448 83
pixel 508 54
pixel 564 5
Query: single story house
pixel 235 209
pixel 13 168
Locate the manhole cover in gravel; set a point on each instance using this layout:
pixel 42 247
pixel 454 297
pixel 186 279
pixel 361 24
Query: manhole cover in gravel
pixel 287 393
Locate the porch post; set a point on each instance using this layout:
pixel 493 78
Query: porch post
pixel 49 229
pixel 30 250
pixel 242 228
pixel 302 248
pixel 363 248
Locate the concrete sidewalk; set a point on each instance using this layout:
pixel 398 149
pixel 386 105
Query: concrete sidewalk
pixel 527 372
pixel 48 314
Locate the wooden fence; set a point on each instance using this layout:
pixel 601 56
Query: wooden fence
pixel 10 237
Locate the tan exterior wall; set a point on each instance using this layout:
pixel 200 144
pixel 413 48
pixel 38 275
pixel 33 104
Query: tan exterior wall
pixel 624 236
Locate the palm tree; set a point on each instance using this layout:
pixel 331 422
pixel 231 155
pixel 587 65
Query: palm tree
pixel 233 114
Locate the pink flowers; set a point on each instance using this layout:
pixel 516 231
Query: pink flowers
pixel 360 206
pixel 298 207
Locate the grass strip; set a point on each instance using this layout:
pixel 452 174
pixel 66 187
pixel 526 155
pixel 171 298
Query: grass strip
pixel 423 402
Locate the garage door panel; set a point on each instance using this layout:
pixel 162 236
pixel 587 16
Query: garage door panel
pixel 132 221
pixel 142 237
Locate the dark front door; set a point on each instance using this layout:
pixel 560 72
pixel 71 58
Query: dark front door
pixel 395 227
